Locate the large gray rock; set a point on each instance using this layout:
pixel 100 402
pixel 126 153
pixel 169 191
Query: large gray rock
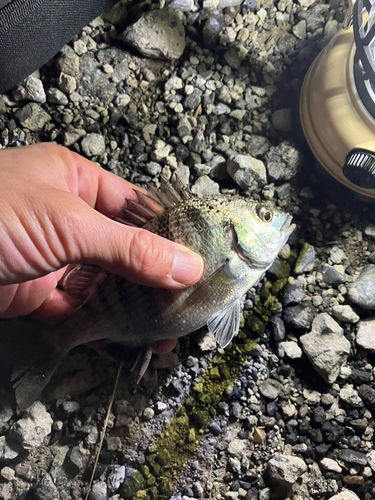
pixel 326 347
pixel 248 172
pixel 159 34
pixel 31 430
pixel 362 290
pixel 285 470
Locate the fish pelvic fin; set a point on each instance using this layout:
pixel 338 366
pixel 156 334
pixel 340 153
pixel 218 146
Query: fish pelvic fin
pixel 28 359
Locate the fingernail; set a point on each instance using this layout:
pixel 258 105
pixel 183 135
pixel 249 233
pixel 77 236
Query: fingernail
pixel 187 267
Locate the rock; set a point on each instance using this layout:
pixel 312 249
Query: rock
pixel 293 293
pixel 93 145
pixel 31 89
pixel 350 396
pixel 236 448
pixel 278 328
pixel 283 161
pixel 366 334
pixel 182 5
pixel 370 230
pixel 33 117
pixel 345 495
pixel 67 83
pixel 72 135
pixel 46 489
pixel 6 411
pixel 285 470
pixel 148 413
pixel 212 28
pixel 215 429
pixel 290 349
pixel 99 491
pixel 31 430
pixel 158 34
pixel 300 316
pixel 7 473
pixel 371 459
pixel 8 450
pixel 205 186
pixel 299 30
pixel 362 290
pixel 68 63
pixel 56 96
pixel 282 119
pixel 153 168
pixel 337 255
pixel 367 394
pixel 305 260
pixel 235 55
pixel 353 457
pixel 116 478
pixel 326 347
pixel 248 172
pixel 330 465
pixel 346 313
pixel 332 276
pixel 270 388
pixel 133 482
pixel 75 461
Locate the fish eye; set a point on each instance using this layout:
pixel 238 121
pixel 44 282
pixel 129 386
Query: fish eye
pixel 264 213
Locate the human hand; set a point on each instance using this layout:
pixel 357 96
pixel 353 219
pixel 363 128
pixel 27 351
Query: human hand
pixel 54 209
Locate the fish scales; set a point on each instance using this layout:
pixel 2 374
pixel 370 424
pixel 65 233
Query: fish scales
pixel 238 240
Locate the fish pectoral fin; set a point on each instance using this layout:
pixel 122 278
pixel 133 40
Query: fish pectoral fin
pixel 224 324
pixel 82 281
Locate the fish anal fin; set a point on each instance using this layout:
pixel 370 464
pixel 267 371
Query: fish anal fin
pixel 224 324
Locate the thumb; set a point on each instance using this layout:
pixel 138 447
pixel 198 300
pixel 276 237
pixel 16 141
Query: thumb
pixel 135 254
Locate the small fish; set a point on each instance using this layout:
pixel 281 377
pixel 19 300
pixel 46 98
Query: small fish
pixel 238 240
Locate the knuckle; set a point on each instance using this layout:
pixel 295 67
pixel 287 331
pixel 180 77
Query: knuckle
pixel 145 253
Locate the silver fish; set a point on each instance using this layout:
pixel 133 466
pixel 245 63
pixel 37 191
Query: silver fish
pixel 238 239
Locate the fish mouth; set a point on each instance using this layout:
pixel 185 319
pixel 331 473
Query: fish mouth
pixel 286 230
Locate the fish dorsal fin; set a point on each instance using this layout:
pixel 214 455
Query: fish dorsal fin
pixel 224 324
pixel 150 204
pixel 82 281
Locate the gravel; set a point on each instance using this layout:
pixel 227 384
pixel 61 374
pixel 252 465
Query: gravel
pixel 210 99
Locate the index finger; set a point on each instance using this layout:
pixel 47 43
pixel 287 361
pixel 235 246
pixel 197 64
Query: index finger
pixel 102 190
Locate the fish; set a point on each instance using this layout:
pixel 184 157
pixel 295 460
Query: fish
pixel 238 239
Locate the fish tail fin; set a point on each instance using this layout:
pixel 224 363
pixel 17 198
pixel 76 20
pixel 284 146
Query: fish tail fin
pixel 28 359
